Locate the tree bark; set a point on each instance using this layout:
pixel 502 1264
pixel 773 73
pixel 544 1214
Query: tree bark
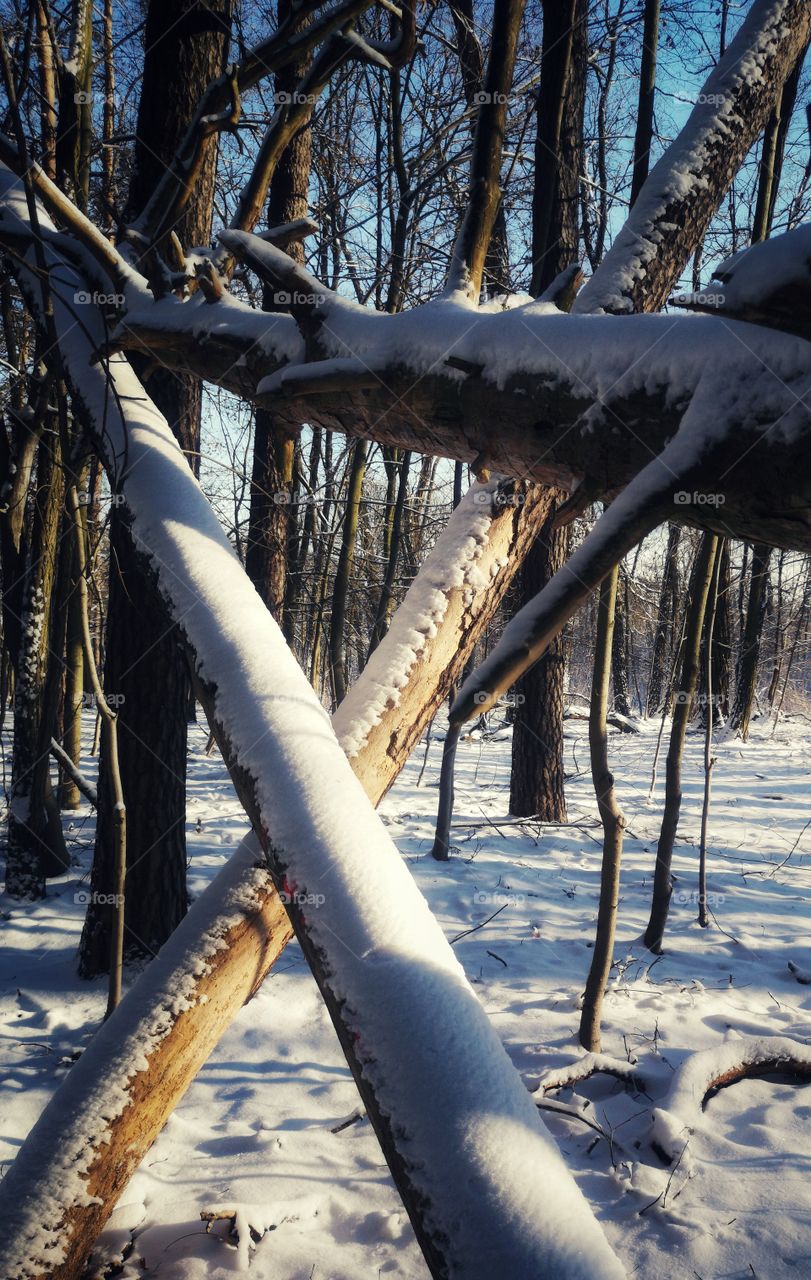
pixel 343 572
pixel 273 519
pixel 751 640
pixel 611 817
pixel 662 883
pixel 643 139
pixel 36 846
pixel 537 773
pixel 619 647
pixel 658 691
pixel 145 668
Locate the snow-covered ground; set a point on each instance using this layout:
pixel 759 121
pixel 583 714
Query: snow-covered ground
pixel 272 1125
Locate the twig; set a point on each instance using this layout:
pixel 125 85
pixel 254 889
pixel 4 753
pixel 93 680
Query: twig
pixel 476 927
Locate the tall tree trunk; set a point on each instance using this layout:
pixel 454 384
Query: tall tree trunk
pixel 145 670
pixel 619 647
pixel 749 657
pixel 343 573
pixel 69 794
pixel 394 533
pixel 537 775
pixel 559 141
pixel 273 522
pixel 612 819
pixel 769 174
pixel 662 883
pixel 471 61
pixel 658 691
pixel 643 139
pixel 36 847
pixel 722 635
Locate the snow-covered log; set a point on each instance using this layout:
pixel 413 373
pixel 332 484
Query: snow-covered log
pixel 177 1010
pixel 767 284
pixel 451 600
pixel 710 1069
pixel 484 1184
pixel 590 1064
pixel 531 391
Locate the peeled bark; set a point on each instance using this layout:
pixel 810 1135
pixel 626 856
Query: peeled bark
pixel 223 949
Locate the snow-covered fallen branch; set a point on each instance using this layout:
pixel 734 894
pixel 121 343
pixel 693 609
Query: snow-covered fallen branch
pixel 702 1073
pixel 590 1064
pixel 484 1184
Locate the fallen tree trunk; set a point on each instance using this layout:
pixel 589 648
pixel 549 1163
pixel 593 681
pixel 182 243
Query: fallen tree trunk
pixel 484 1185
pixel 455 594
pixel 236 931
pixel 559 399
pixel 704 1072
pixel 529 392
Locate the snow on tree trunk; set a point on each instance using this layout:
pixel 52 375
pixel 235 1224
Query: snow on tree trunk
pixel 435 629
pixel 686 185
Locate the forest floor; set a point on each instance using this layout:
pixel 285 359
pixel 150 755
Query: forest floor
pixel 260 1128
